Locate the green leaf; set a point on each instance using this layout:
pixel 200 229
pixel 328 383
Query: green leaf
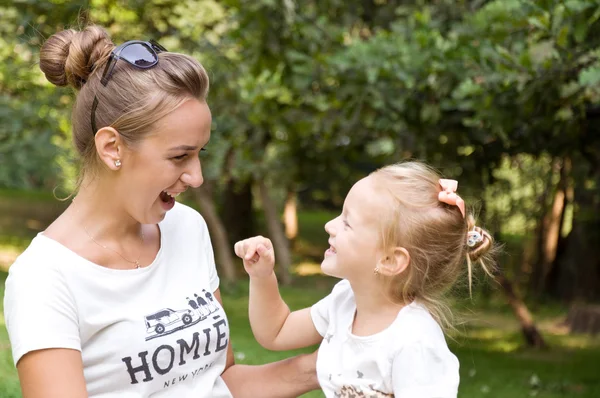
pixel 577 6
pixel 590 76
pixel 564 114
pixel 540 21
pixel 562 37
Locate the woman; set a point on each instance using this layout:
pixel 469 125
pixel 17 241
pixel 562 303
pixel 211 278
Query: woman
pixel 99 303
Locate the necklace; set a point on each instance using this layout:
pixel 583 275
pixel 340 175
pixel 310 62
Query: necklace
pixel 136 262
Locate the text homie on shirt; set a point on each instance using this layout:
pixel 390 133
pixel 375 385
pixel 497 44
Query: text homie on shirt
pixel 166 356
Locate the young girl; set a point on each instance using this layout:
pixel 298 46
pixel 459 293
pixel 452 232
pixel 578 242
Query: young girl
pixel 398 246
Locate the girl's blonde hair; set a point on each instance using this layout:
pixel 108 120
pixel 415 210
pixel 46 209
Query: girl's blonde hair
pixel 434 234
pixel 132 101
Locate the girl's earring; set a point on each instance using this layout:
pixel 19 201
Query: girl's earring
pixel 376 271
pixel 117 163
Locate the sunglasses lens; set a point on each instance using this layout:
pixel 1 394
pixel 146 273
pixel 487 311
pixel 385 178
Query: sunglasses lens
pixel 140 55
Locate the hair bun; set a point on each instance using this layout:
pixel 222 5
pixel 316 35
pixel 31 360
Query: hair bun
pixel 69 57
pixel 479 242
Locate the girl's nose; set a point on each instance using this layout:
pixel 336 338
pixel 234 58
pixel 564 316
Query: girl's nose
pixel 329 227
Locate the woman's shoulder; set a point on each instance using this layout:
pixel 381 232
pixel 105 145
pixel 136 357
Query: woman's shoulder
pixel 183 214
pixel 38 269
pixel 41 254
pixel 184 224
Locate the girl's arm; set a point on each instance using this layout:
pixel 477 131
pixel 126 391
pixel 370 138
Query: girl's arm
pixel 287 378
pixel 274 327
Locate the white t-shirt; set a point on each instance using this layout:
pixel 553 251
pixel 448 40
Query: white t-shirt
pixel 409 359
pixel 155 331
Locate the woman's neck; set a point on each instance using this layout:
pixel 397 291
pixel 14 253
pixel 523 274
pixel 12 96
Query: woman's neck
pixel 102 214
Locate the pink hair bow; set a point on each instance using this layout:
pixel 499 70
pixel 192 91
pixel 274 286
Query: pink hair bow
pixel 448 195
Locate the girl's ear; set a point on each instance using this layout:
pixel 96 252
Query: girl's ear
pixel 394 263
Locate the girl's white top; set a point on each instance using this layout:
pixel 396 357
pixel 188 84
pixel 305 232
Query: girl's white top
pixel 410 358
pixel 155 331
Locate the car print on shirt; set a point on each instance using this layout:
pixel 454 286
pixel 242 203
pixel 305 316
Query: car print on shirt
pixel 167 320
pixel 203 343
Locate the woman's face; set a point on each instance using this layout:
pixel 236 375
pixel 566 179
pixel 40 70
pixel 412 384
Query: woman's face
pixel 164 164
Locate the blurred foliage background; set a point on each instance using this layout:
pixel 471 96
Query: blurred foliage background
pixel 308 96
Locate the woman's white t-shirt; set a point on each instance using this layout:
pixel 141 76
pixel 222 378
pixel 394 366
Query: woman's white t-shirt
pixel 155 331
pixel 410 358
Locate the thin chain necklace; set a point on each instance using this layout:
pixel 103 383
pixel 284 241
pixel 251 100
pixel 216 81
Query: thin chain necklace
pixel 136 262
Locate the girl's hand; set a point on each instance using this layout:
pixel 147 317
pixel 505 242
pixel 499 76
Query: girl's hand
pixel 258 256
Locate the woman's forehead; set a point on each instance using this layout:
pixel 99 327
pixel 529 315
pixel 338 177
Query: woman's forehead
pixel 189 125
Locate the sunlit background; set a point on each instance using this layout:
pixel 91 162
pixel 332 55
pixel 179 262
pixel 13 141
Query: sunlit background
pixel 309 96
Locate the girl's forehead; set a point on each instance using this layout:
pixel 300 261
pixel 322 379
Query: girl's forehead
pixel 364 201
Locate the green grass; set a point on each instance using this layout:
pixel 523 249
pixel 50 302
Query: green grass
pixel 9 383
pixel 493 361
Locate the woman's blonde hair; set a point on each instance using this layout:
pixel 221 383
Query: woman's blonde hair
pixel 132 101
pixel 434 234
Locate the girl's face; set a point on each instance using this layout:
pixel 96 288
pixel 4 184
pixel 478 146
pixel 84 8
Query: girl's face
pixel 354 235
pixel 164 164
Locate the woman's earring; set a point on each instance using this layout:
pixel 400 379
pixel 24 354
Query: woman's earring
pixel 117 163
pixel 376 271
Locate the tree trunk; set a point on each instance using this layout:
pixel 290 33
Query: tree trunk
pixel 530 331
pixel 551 232
pixel 220 241
pixel 584 318
pixel 541 227
pixel 238 215
pixel 280 243
pixel 577 274
pixel 551 280
pixel 290 217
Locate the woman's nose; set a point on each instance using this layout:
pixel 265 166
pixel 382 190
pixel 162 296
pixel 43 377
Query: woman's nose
pixel 193 176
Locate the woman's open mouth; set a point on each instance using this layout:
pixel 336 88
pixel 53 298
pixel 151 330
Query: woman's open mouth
pixel 168 199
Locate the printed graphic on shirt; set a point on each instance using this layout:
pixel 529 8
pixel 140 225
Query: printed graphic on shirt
pixel 202 345
pixel 167 321
pixel 357 392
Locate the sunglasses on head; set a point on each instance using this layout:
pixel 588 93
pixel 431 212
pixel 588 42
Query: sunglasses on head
pixel 141 54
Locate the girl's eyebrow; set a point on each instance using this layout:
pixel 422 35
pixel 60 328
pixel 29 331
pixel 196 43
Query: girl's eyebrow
pixel 346 213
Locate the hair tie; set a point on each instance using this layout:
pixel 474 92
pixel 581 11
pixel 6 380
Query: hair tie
pixel 448 195
pixel 474 237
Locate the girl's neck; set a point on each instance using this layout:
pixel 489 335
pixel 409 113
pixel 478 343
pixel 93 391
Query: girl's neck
pixel 375 311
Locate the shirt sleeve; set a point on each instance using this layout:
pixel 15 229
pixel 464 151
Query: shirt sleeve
pixel 209 255
pixel 39 309
pixel 321 311
pixel 422 371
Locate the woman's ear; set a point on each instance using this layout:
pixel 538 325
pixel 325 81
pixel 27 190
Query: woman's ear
pixel 395 262
pixel 109 146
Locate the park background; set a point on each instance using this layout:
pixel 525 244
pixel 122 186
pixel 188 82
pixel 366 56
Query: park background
pixel 309 96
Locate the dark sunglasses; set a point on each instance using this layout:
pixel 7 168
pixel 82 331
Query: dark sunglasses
pixel 141 54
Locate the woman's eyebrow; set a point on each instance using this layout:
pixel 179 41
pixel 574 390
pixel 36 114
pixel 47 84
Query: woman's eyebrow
pixel 184 148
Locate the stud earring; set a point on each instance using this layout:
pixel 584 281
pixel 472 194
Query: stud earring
pixel 117 163
pixel 376 271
